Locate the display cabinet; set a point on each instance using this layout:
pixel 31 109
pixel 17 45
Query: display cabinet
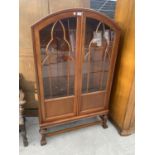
pixel 75 52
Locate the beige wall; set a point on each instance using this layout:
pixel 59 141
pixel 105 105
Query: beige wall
pixel 30 12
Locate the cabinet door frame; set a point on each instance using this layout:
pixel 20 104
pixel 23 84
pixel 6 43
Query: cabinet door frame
pixel 87 13
pixel 36 47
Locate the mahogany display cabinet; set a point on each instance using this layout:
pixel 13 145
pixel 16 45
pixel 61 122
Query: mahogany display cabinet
pixel 75 52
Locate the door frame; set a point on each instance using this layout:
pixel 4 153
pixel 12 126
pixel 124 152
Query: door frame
pixel 36 47
pixel 88 13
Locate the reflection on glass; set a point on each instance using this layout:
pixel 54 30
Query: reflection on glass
pixel 98 45
pixel 57 43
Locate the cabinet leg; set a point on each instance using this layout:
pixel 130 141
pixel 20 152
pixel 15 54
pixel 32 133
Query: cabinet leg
pixel 104 121
pixel 43 137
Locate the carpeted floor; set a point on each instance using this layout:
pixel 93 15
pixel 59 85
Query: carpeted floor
pixel 92 140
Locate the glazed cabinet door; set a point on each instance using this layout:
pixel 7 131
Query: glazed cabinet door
pixel 98 44
pixel 75 52
pixel 55 43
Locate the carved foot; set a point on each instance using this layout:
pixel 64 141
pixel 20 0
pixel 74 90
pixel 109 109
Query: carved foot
pixel 43 137
pixel 104 125
pixel 104 121
pixel 43 140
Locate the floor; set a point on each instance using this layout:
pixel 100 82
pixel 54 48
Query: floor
pixel 92 140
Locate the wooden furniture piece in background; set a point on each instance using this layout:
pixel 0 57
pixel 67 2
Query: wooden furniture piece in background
pixel 22 128
pixel 75 52
pixel 30 12
pixel 122 97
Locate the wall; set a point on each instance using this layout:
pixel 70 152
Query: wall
pixel 30 12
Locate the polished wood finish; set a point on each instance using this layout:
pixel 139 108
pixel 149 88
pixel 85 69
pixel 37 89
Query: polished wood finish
pixel 89 99
pixel 122 96
pixel 129 120
pixel 30 12
pixel 84 102
pixel 54 107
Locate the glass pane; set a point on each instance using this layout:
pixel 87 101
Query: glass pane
pixel 104 6
pixel 97 52
pixel 58 58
